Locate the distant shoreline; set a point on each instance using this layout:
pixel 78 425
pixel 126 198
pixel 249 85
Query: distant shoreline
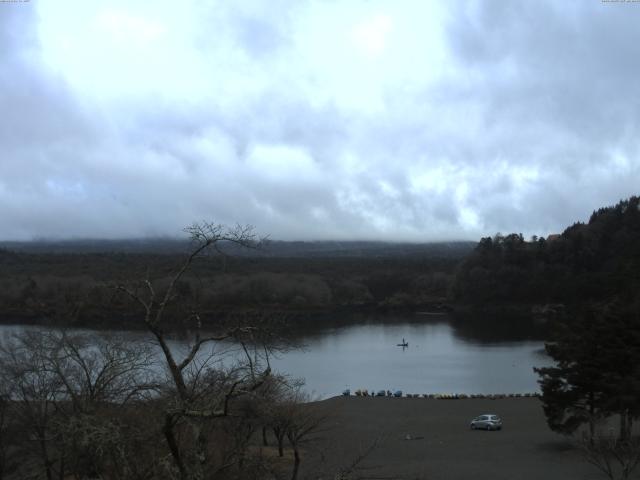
pixel 294 318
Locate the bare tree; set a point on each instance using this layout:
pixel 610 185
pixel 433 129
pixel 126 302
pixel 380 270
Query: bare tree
pixel 614 457
pixel 355 470
pixel 101 377
pixel 200 393
pixel 63 393
pixel 5 403
pixel 305 421
pixel 277 409
pixel 93 407
pixel 35 390
pixel 97 369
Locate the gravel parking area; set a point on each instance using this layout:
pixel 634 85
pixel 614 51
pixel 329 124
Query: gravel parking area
pixel 431 439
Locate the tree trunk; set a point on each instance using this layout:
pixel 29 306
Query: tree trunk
pixel 61 474
pixel 167 429
pixel 264 437
pixel 624 434
pixel 201 451
pixel 45 457
pixel 175 371
pixel 280 438
pixel 592 422
pixel 296 463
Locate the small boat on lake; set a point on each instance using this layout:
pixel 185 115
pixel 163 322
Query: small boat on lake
pixel 403 344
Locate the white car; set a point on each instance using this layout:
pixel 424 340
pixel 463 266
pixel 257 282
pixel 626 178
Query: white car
pixel 486 422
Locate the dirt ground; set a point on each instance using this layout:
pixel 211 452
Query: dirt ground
pixel 442 446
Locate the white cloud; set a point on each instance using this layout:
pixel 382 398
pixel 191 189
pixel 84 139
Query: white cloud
pixel 370 35
pixel 410 120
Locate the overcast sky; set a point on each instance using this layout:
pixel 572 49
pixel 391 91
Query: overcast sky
pixel 381 120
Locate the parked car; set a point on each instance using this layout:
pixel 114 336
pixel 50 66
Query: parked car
pixel 487 421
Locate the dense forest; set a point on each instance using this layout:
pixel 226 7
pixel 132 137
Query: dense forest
pixel 73 281
pixel 587 262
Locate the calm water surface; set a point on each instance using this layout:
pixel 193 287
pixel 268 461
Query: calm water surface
pixel 438 359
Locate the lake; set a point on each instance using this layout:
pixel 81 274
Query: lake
pixel 437 360
pixel 441 357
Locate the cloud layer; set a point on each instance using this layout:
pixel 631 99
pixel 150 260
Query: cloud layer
pixel 315 120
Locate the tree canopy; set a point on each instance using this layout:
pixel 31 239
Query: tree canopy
pixel 597 371
pixel 592 261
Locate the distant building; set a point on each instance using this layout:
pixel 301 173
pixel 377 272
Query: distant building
pixel 552 237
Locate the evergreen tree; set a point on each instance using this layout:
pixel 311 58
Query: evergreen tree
pixel 621 362
pixel 593 261
pixel 572 391
pixel 598 369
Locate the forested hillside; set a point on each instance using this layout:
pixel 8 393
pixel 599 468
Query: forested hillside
pixel 587 262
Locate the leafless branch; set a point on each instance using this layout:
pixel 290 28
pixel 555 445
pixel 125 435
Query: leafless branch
pixel 615 458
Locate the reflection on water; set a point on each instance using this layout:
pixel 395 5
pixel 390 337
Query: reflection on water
pixel 436 361
pixel 443 356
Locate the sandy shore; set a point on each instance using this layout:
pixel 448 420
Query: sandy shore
pixel 442 446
